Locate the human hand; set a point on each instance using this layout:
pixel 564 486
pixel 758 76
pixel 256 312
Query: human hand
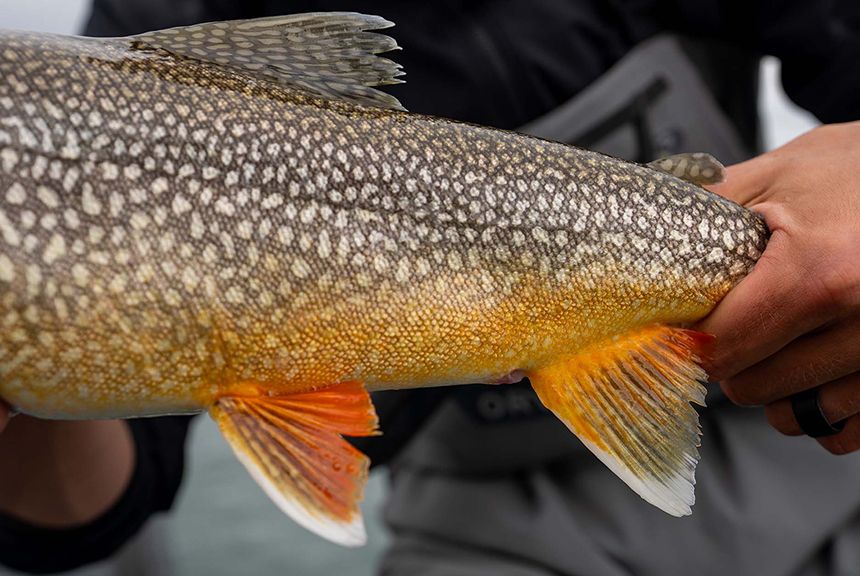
pixel 58 473
pixel 793 324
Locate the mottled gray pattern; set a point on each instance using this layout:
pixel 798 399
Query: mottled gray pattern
pixel 169 227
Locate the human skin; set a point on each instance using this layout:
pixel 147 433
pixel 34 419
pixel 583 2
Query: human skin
pixel 61 474
pixel 793 324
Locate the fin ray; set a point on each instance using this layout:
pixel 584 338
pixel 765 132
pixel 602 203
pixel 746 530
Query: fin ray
pixel 329 54
pixel 629 401
pixel 292 447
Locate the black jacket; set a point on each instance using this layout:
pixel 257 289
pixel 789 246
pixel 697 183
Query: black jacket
pixel 505 62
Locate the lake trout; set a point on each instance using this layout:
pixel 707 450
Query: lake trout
pixel 230 218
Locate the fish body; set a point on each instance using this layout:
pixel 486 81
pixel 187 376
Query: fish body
pixel 183 228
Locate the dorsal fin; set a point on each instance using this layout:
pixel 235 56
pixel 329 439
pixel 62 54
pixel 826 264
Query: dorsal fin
pixel 330 54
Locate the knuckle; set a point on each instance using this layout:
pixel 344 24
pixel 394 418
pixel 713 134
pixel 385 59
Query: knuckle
pixel 738 394
pixel 836 288
pixel 715 367
pixel 780 420
pixel 845 442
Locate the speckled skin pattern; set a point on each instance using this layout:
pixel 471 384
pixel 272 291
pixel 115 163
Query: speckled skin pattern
pixel 172 231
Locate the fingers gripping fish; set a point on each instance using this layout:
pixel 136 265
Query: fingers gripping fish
pixel 229 217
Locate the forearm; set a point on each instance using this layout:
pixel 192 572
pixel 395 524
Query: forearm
pixel 59 474
pixel 158 443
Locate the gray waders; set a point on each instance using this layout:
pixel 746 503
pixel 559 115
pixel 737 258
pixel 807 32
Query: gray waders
pixel 493 484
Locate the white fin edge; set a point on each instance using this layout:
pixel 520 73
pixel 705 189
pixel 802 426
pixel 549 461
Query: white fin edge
pixel 350 534
pixel 675 497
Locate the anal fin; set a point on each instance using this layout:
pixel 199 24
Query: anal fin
pixel 293 448
pixel 628 400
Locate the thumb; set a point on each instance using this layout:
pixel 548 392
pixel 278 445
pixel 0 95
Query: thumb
pixel 747 181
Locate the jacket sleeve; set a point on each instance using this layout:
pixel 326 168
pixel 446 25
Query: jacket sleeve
pixel 159 445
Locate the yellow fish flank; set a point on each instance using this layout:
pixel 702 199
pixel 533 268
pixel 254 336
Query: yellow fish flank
pixel 229 218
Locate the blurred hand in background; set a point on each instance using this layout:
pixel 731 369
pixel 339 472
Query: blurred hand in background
pixel 59 474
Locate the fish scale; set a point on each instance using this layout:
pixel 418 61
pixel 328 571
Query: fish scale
pixel 227 211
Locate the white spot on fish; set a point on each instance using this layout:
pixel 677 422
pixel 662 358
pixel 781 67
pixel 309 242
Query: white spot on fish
pixel 189 278
pixel 80 274
pixel 540 235
pixel 422 266
pixel 716 255
pixel 139 220
pixel 48 197
pixel 132 172
pixel 71 178
pixel 90 203
pixel 285 235
pixel 117 284
pixel 324 245
pixel 234 295
pixel 181 205
pixel 49 221
pixel 110 171
pixel 224 206
pixel 380 263
pixel 704 226
pixel 198 229
pixel 300 268
pixel 8 230
pixel 16 194
pixel 8 159
pixel 159 185
pixel 307 214
pixel 454 261
pixel 137 195
pixel 272 201
pixel 244 230
pixel 7 269
pixel 94 119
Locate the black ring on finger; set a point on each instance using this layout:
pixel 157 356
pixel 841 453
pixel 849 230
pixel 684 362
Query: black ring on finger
pixel 810 417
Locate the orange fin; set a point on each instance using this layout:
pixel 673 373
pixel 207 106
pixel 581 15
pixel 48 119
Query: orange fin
pixel 628 400
pixel 293 448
